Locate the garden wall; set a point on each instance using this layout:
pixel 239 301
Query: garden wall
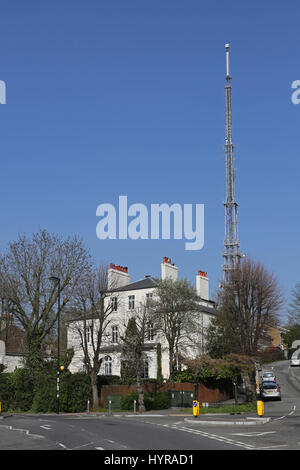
pixel 210 394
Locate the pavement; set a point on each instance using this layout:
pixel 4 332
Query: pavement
pixel 245 418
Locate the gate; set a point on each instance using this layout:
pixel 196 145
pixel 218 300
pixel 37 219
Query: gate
pixel 181 399
pixel 115 401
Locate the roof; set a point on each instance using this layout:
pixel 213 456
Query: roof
pixel 209 310
pixel 146 283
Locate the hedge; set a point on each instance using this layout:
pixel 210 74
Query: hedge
pixel 152 401
pixel 18 391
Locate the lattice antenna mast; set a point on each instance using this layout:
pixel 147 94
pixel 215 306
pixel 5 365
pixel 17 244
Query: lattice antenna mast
pixel 231 253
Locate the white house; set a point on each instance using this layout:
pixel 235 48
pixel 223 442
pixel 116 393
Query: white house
pixel 126 297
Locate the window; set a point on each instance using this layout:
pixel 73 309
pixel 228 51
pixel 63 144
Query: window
pixel 145 369
pixel 131 302
pixel 107 365
pixel 114 303
pixel 88 336
pixel 148 299
pixel 114 334
pixel 150 331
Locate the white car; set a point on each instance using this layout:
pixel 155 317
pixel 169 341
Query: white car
pixel 295 360
pixel 268 376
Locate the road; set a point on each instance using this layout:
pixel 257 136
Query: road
pixel 160 432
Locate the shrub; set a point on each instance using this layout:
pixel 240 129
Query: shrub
pixel 186 375
pixel 78 392
pixel 5 392
pixel 44 400
pixel 270 354
pixel 161 401
pixel 108 380
pixel 126 401
pixel 19 392
pixel 22 383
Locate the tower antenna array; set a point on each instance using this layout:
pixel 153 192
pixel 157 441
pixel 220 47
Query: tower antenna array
pixel 231 253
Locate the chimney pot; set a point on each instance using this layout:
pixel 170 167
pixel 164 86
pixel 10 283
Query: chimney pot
pixel 202 273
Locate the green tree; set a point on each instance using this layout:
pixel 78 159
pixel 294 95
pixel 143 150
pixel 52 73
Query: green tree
pixel 133 346
pixel 231 367
pixel 132 353
pixel 292 335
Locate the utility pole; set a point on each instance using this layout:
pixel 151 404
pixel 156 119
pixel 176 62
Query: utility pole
pixel 231 253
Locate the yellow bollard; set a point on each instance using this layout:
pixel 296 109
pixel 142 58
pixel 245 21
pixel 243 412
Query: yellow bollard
pixel 195 408
pixel 260 408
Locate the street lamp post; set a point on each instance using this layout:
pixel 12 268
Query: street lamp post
pixel 57 280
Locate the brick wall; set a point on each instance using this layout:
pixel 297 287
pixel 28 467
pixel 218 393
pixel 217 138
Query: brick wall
pixel 205 394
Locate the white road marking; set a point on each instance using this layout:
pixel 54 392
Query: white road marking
pixel 26 431
pixel 215 437
pixel 62 445
pixel 272 447
pixel 252 434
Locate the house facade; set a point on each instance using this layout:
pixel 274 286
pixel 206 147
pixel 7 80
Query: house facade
pixel 12 344
pixel 126 298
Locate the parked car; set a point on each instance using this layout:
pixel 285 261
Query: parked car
pixel 268 376
pixel 270 389
pixel 295 359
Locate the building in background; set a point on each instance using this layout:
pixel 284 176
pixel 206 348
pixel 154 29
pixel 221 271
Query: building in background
pixel 14 344
pixel 126 297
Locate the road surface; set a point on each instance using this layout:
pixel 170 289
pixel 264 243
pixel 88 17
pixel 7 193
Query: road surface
pixel 159 432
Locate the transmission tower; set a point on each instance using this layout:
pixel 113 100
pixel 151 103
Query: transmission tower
pixel 231 253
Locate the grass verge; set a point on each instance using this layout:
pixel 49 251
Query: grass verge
pixel 242 408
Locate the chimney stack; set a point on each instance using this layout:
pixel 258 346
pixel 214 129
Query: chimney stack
pixel 202 285
pixel 117 276
pixel 168 270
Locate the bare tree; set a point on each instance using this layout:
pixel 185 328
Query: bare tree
pixel 29 294
pixel 93 307
pixel 177 308
pixel 294 306
pixel 247 304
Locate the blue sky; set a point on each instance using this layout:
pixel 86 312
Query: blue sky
pixel 126 97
